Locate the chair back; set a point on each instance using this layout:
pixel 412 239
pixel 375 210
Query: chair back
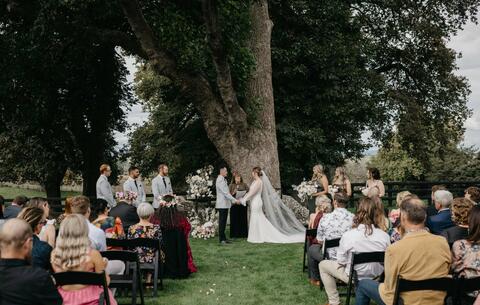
pixel 465 286
pixel 330 243
pixel 130 244
pixel 311 233
pixel 361 258
pixel 121 255
pixel 445 284
pixel 84 278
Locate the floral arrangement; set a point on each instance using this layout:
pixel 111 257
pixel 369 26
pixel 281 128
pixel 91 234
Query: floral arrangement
pixel 204 223
pixel 200 184
pixel 129 196
pixel 305 190
pixel 332 189
pixel 168 200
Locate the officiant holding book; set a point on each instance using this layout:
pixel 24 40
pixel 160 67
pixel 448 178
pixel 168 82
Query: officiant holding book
pixel 238 212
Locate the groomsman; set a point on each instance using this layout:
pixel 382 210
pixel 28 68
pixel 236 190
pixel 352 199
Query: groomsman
pixel 223 204
pixel 134 184
pixel 161 185
pixel 104 189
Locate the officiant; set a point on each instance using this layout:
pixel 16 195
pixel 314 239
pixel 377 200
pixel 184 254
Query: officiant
pixel 238 212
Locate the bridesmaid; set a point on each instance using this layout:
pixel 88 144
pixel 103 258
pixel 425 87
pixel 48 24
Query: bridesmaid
pixel 238 212
pixel 374 181
pixel 342 181
pixel 322 182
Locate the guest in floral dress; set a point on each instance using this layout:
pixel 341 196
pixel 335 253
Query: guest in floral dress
pixel 466 252
pixel 145 229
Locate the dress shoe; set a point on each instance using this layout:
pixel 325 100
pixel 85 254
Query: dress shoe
pixel 315 283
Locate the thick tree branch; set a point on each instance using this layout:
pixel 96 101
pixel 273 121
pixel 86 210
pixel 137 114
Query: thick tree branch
pixel 118 38
pixel 220 61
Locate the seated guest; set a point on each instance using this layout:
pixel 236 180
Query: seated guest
pixel 443 219
pixel 394 214
pixel 331 226
pixel 21 283
pixel 17 205
pixel 473 193
pixel 145 229
pixel 48 231
pixel 67 211
pixel 395 232
pixel 168 217
pixel 460 210
pixel 2 206
pixel 466 252
pixel 431 209
pixel 125 210
pixel 418 256
pixel 364 237
pixel 323 205
pixel 73 253
pixel 101 217
pixel 41 250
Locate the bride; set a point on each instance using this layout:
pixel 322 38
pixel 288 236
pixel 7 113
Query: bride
pixel 270 220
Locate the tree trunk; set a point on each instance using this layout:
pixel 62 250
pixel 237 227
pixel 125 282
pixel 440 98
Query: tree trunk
pixel 52 186
pixel 241 145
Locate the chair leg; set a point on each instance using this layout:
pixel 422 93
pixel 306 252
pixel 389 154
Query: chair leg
pixel 349 290
pixel 134 287
pixel 140 284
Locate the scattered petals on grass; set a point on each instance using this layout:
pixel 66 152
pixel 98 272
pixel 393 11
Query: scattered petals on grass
pixel 229 294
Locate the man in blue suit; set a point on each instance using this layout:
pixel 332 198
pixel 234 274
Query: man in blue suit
pixel 443 220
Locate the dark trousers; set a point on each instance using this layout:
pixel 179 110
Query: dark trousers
pixel 368 290
pixel 222 223
pixel 315 256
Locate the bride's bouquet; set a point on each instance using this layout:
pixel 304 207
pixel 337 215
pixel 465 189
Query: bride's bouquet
pixel 305 190
pixel 200 184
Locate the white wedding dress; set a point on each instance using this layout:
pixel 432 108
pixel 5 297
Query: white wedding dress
pixel 287 228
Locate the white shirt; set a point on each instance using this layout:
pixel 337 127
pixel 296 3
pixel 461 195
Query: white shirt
pixel 356 241
pixel 97 237
pixel 333 225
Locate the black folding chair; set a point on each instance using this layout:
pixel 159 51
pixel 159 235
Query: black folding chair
pixel 465 286
pixel 128 280
pixel 132 244
pixel 328 244
pixel 445 284
pixel 84 278
pixel 357 259
pixel 308 233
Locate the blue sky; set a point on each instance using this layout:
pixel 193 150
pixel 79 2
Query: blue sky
pixel 467 42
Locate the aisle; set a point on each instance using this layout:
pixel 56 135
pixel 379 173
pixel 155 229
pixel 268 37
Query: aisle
pixel 243 274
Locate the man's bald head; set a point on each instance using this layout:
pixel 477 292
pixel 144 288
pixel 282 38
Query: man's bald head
pixel 15 232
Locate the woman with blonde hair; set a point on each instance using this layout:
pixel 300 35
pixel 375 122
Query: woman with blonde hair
pixel 73 253
pixel 341 181
pixel 321 181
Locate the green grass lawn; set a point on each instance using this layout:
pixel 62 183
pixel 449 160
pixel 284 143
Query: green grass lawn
pixel 242 273
pixel 11 192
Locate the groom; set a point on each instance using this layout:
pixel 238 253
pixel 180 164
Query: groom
pixel 224 202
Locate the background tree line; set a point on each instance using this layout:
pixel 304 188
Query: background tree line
pixel 338 69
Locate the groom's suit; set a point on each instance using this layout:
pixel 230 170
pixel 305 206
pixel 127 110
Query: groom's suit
pixel 224 202
pixel 161 186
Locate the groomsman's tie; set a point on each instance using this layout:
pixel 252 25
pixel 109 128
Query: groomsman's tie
pixel 164 183
pixel 136 185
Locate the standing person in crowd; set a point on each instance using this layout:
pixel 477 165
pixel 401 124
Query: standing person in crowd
pixel 169 218
pixel 223 203
pixel 364 237
pixel 125 210
pixel 48 230
pixel 41 250
pixel 2 206
pixel 21 283
pixel 134 184
pixel 73 253
pixel 473 193
pixel 238 212
pixel 104 189
pixel 443 219
pixel 460 209
pixel 410 259
pixel 466 252
pixel 145 229
pixel 341 181
pixel 17 205
pixel 161 185
pixel 431 209
pixel 373 175
pixel 67 211
pixel 331 226
pixel 320 179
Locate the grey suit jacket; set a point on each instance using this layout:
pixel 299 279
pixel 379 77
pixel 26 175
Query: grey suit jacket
pixel 104 190
pixel 11 211
pixel 224 198
pixel 159 188
pixel 129 186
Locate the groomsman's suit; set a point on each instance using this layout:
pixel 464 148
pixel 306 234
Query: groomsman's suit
pixel 161 185
pixel 224 202
pixel 135 185
pixel 104 191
